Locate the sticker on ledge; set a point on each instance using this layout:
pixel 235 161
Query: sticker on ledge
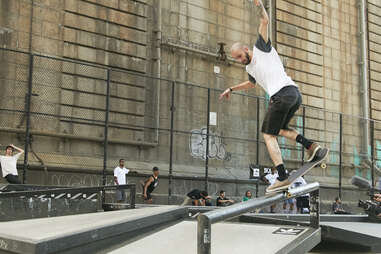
pixel 288 231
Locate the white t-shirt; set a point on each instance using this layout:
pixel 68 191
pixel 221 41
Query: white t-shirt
pixel 267 69
pixel 299 182
pixel 272 178
pixel 120 174
pixel 8 164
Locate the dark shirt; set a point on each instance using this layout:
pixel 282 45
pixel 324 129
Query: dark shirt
pixel 262 46
pixel 222 204
pixel 153 184
pixel 195 194
pixel 336 207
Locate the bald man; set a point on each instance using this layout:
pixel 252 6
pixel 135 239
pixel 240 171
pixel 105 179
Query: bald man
pixel 265 68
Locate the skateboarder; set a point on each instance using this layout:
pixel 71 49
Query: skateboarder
pixel 265 67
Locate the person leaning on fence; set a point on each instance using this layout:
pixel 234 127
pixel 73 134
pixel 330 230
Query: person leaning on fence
pixel 120 179
pixel 150 184
pixel 9 163
pixel 196 198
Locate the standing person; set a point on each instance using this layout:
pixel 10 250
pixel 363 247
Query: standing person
pixel 150 184
pixel 248 196
pixel 222 200
pixel 270 179
pixel 302 202
pixel 9 163
pixel 196 197
pixel 120 179
pixel 290 202
pixel 265 67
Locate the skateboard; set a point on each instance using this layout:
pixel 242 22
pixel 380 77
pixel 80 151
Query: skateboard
pixel 320 156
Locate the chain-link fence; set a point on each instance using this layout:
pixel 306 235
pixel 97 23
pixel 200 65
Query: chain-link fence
pixel 79 116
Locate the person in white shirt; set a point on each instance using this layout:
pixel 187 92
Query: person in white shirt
pixel 9 162
pixel 264 67
pixel 302 202
pixel 120 173
pixel 271 179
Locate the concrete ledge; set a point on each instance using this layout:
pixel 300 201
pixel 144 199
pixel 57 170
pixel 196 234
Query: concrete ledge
pixel 358 233
pixel 115 206
pixel 59 234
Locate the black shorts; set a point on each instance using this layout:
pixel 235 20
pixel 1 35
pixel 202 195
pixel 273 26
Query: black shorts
pixel 302 202
pixel 13 179
pixel 282 108
pixel 149 196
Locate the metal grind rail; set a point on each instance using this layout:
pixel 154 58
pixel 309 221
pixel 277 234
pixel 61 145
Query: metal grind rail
pixel 206 220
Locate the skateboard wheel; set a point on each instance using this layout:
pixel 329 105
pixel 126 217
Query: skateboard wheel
pixel 289 195
pixel 323 165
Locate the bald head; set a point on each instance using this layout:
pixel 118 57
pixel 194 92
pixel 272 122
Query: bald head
pixel 241 53
pixel 237 46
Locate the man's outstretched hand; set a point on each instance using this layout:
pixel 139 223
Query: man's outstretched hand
pixel 226 94
pixel 257 2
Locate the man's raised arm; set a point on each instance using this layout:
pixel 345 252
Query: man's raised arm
pixel 263 26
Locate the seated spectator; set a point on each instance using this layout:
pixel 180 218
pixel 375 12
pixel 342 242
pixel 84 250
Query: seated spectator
pixel 223 201
pixel 337 207
pixel 196 198
pixel 247 196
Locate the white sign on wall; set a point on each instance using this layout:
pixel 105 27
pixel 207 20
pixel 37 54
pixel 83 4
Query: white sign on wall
pixel 256 172
pixel 213 118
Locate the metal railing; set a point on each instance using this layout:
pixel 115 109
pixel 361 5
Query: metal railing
pixel 205 220
pixel 67 192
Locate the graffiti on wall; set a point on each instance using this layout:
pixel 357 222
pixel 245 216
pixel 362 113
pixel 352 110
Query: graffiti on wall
pixel 217 149
pixel 76 180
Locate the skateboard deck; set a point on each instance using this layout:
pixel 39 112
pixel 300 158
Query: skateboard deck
pixel 320 156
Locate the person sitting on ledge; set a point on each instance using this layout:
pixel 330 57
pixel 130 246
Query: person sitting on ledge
pixel 337 207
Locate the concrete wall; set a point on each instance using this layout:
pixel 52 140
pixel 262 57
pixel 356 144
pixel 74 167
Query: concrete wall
pixel 317 41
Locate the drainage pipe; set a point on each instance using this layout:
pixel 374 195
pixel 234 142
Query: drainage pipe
pixel 364 73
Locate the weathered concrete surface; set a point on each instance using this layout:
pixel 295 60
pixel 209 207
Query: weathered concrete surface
pixel 226 238
pixel 75 232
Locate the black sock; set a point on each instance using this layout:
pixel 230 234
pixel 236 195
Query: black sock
pixel 281 172
pixel 305 142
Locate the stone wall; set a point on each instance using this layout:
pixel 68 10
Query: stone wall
pixel 317 41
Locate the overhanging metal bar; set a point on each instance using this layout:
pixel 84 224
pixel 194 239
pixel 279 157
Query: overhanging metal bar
pixel 237 209
pixel 207 219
